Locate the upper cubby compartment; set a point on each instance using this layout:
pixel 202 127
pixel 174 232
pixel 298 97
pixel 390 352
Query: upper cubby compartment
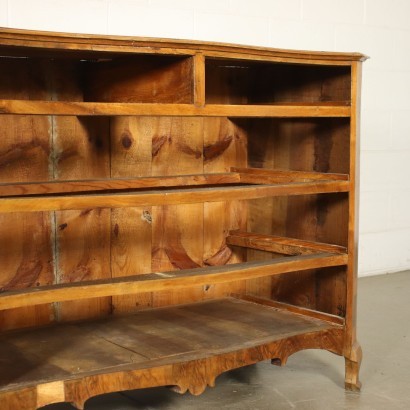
pixel 230 81
pixel 98 78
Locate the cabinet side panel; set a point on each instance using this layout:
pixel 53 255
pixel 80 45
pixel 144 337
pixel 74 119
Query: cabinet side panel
pixel 177 231
pixel 131 228
pixel 25 239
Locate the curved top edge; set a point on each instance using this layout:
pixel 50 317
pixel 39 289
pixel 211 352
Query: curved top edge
pixel 31 38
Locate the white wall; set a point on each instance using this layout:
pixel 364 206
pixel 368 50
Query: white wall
pixel 379 28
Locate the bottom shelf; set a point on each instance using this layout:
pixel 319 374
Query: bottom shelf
pixel 187 346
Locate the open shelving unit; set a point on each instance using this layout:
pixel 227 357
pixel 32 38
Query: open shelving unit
pixel 171 210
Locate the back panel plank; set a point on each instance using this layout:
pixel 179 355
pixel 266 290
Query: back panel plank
pixel 177 241
pixel 224 146
pixel 131 228
pixel 26 257
pixel 83 237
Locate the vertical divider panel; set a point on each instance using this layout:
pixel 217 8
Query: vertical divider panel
pixel 199 79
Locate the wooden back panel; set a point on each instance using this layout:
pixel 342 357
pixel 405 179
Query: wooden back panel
pixel 307 145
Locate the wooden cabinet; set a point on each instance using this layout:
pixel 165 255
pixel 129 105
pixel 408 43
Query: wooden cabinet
pixel 171 210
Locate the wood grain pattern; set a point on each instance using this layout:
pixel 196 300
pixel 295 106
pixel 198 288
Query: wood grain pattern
pixel 188 110
pixel 193 344
pixel 168 197
pixel 140 79
pixel 199 79
pixel 112 184
pixel 245 82
pixel 224 147
pixel 64 41
pixel 170 280
pixel 256 175
pixel 277 244
pixel 177 241
pixel 25 239
pixel 175 171
pixel 131 228
pixel 352 350
pixel 320 146
pixel 81 147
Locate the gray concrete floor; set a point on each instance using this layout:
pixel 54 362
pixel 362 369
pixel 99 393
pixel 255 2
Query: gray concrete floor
pixel 311 379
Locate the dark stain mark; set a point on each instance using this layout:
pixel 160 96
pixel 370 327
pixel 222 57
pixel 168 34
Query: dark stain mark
pixel 179 258
pixel 146 216
pixel 322 210
pixel 17 151
pixel 218 148
pixel 158 142
pixel 126 140
pixel 323 148
pixel 189 151
pixel 98 142
pixel 116 230
pixel 341 311
pixel 66 154
pixel 62 227
pixel 85 212
pixel 79 273
pixel 220 258
pixel 26 275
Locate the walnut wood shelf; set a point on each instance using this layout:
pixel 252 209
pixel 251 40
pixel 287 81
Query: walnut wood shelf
pixel 153 348
pixel 146 109
pixel 171 210
pixel 238 175
pixel 182 279
pixel 168 196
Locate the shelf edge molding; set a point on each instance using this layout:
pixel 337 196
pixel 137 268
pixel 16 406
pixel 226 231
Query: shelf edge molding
pixel 159 281
pixel 95 185
pixel 35 107
pixel 167 196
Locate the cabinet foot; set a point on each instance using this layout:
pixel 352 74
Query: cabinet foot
pixel 352 368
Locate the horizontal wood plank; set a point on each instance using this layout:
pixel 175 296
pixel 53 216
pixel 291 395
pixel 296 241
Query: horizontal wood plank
pixel 278 244
pixel 148 109
pixel 155 282
pixel 167 196
pixel 294 309
pixel 122 44
pixel 57 187
pixel 255 175
pixel 185 346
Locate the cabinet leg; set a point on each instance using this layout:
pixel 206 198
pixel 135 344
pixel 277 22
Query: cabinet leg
pixel 352 367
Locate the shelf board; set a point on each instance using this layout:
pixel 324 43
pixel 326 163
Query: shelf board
pixel 321 109
pixel 167 196
pixel 154 347
pixel 277 244
pixel 115 184
pixel 237 175
pixel 265 176
pixel 159 281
